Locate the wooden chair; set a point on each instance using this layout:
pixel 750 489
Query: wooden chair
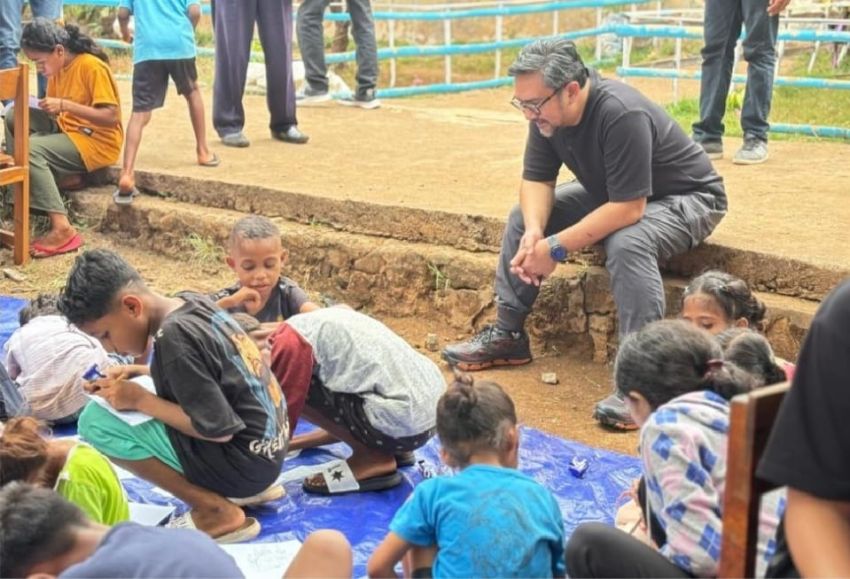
pixel 751 420
pixel 14 169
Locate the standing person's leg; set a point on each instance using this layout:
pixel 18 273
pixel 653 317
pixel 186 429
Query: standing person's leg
pixel 668 227
pixel 275 27
pixel 506 342
pixel 363 30
pixel 10 32
pixel 597 550
pixel 185 76
pixel 760 54
pixel 722 26
pixel 127 182
pixel 52 10
pixel 311 42
pixel 234 30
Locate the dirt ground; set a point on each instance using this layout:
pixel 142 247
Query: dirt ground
pixel 462 153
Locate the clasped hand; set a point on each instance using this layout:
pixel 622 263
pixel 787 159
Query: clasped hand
pixel 532 262
pixel 122 394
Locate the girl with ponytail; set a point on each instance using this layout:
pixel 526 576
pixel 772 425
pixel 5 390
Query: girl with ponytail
pixel 76 129
pixel 677 386
pixel 489 520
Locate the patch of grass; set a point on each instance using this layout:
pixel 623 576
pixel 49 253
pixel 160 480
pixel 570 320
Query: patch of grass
pixel 204 251
pixel 441 280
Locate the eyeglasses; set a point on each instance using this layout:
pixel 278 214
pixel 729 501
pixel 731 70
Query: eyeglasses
pixel 532 107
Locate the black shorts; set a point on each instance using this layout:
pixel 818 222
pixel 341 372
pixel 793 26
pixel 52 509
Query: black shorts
pixel 150 81
pixel 348 409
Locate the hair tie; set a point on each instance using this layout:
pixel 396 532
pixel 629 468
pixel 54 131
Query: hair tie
pixel 712 366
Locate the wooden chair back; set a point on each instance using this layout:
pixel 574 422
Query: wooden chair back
pixel 14 169
pixel 751 420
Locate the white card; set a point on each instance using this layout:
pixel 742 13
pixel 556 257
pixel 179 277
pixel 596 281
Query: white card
pixel 131 417
pixel 149 515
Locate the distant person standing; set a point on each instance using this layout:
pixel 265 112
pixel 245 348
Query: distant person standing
pixel 234 22
pixel 311 41
pixel 721 29
pixel 10 31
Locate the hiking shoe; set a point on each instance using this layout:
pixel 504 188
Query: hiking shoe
pixel 714 149
pixel 613 413
pixel 753 152
pixel 492 346
pixel 308 97
pixel 365 100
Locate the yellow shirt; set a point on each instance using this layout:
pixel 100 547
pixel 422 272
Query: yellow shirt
pixel 88 81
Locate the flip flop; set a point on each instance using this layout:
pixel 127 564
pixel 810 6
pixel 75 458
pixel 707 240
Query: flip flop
pixel 38 250
pixel 249 529
pixel 124 198
pixel 213 161
pixel 272 493
pixel 338 479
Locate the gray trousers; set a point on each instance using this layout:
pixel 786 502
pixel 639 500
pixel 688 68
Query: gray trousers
pixel 722 27
pixel 669 226
pixel 234 30
pixel 52 156
pixel 311 41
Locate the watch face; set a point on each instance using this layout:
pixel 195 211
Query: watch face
pixel 559 254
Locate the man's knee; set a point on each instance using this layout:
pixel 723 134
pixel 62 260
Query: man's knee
pixel 761 52
pixel 625 246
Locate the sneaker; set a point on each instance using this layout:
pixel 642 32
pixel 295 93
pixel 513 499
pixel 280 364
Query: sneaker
pixel 613 413
pixel 492 346
pixel 714 149
pixel 753 152
pixel 235 140
pixel 364 100
pixel 308 97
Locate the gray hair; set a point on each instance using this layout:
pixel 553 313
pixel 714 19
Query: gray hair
pixel 555 58
pixel 253 227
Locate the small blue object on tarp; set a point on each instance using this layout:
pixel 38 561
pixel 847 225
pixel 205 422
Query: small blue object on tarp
pixel 9 308
pixel 364 518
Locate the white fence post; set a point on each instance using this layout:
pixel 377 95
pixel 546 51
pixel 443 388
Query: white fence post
pixel 447 40
pixel 500 22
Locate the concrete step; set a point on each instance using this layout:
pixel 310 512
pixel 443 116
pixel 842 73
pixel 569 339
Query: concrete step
pixel 402 278
pixel 763 272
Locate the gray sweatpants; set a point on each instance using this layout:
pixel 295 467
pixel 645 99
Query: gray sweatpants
pixel 234 30
pixel 311 41
pixel 669 226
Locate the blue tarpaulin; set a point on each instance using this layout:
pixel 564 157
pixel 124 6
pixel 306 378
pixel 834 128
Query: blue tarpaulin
pixel 364 518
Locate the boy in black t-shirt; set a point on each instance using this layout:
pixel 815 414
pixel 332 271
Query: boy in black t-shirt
pixel 219 426
pixel 256 255
pixel 809 446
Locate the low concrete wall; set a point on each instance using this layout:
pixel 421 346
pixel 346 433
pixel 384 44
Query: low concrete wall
pixel 397 278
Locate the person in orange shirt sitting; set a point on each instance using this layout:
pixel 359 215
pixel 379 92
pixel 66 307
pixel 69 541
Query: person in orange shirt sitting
pixel 77 127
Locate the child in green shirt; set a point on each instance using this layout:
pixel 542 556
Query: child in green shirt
pixel 75 470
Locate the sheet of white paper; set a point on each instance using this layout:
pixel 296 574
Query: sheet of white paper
pixel 149 515
pixel 301 472
pixel 123 473
pixel 263 560
pixel 131 417
pixel 33 102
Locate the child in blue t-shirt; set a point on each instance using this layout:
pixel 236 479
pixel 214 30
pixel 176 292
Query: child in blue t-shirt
pixel 163 47
pixel 489 520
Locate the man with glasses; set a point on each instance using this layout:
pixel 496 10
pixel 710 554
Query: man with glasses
pixel 643 190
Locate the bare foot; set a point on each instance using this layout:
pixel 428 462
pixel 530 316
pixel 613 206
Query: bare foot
pixel 126 185
pixel 218 519
pixel 55 238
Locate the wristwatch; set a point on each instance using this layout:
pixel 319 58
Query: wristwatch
pixel 556 251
